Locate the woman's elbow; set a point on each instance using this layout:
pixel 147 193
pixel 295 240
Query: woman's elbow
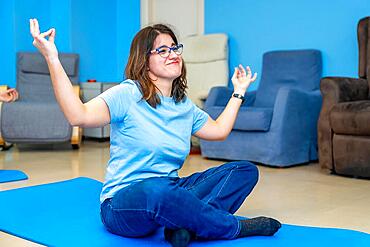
pixel 76 121
pixel 220 136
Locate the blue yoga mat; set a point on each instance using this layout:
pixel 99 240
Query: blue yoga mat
pixel 11 175
pixel 67 214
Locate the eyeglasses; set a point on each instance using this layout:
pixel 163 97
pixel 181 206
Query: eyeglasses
pixel 164 51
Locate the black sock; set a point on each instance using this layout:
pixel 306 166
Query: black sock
pixel 260 226
pixel 177 238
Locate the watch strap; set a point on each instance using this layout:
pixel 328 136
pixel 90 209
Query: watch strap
pixel 239 96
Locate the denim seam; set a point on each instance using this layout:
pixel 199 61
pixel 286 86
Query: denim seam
pixel 148 211
pixel 123 221
pixel 203 180
pixel 237 229
pixel 223 185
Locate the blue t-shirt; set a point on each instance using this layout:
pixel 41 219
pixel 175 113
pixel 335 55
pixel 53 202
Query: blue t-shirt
pixel 146 141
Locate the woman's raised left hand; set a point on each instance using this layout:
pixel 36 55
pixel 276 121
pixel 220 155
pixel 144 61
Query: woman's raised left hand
pixel 242 78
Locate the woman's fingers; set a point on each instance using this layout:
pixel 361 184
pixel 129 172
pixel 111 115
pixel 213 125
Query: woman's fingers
pixel 254 77
pixel 244 74
pixel 47 33
pixel 236 71
pixel 241 69
pixel 15 94
pixel 52 35
pixel 32 29
pixel 36 26
pixel 35 32
pixel 249 72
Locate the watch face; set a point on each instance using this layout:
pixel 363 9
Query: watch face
pixel 239 96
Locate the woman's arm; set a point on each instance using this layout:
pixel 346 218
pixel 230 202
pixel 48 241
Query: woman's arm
pixel 94 113
pixel 219 129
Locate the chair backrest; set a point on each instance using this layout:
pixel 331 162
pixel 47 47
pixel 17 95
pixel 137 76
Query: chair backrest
pixel 363 35
pixel 293 68
pixel 33 77
pixel 206 58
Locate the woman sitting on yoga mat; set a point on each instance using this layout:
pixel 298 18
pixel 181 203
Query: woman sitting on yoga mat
pixel 152 121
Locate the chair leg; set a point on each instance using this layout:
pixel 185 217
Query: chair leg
pixel 4 145
pixel 76 137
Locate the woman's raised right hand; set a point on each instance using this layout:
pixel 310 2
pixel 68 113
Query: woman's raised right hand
pixel 45 46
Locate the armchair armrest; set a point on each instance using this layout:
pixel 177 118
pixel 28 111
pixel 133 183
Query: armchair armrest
pixel 77 90
pixel 342 89
pixel 335 90
pixel 295 115
pixel 250 97
pixel 219 96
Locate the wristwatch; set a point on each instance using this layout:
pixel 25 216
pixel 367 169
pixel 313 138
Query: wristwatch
pixel 239 96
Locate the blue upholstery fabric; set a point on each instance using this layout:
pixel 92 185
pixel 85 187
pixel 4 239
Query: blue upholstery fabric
pixel 294 101
pixel 36 116
pixel 249 119
pixel 299 69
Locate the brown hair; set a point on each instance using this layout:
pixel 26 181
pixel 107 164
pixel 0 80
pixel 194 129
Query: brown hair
pixel 137 67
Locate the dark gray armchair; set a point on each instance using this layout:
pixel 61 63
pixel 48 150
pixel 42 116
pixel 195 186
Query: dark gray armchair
pixel 36 116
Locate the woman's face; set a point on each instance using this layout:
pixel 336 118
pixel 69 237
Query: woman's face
pixel 164 68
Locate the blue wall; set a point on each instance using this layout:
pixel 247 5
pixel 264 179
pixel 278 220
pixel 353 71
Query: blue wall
pixel 255 27
pixel 95 38
pixel 7 48
pixel 128 24
pixel 100 31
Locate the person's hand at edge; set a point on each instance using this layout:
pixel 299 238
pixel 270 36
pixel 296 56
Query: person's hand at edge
pixel 9 95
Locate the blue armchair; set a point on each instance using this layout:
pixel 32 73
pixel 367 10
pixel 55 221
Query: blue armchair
pixel 277 124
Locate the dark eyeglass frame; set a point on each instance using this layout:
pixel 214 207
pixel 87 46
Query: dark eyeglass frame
pixel 177 49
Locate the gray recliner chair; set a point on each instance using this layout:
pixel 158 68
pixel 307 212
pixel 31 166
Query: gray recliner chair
pixel 36 117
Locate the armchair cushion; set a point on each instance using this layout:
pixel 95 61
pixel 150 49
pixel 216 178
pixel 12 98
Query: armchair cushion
pixel 41 123
pixel 297 68
pixel 352 118
pixel 253 119
pixel 249 119
pixel 30 62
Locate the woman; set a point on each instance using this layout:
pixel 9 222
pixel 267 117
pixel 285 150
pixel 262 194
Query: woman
pixel 152 121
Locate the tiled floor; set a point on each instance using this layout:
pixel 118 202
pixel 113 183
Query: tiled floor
pixel 303 195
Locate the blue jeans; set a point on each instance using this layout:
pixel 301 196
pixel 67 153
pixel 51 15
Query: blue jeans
pixel 203 203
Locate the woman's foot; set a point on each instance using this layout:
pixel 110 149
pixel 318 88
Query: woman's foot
pixel 177 238
pixel 260 226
